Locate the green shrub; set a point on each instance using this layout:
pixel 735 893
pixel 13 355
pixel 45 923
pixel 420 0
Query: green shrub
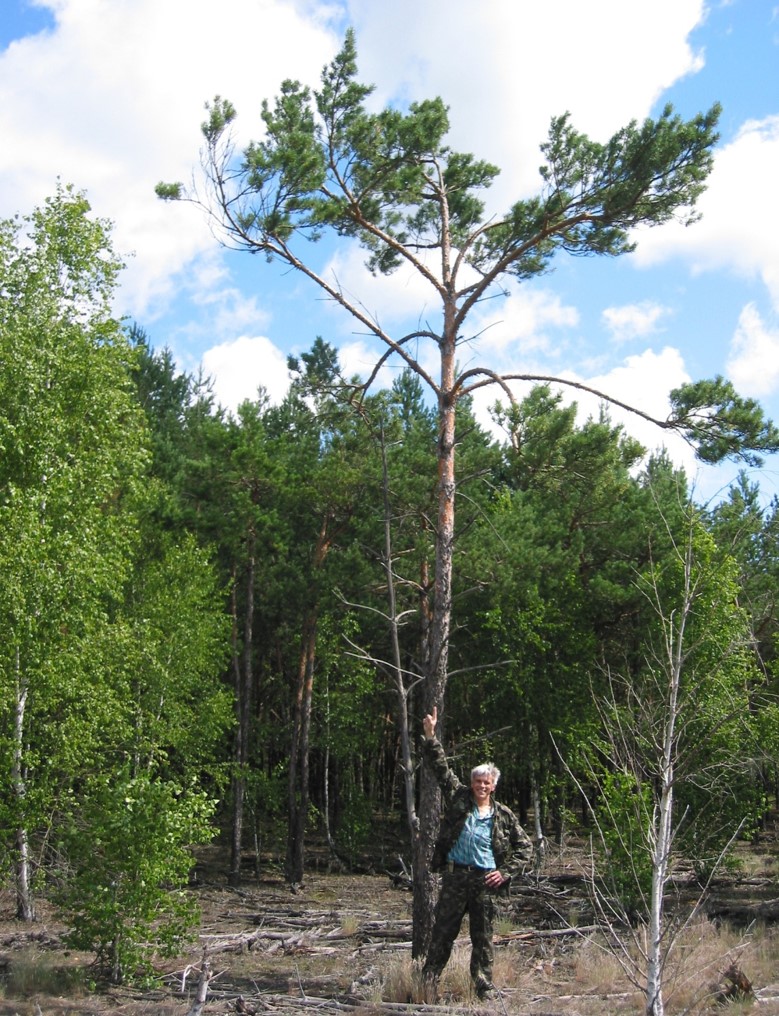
pixel 124 895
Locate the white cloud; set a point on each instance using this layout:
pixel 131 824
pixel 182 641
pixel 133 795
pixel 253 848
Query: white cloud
pixel 642 381
pixel 112 97
pixel 239 368
pixel 645 381
pixel 633 320
pixel 384 299
pixel 520 325
pixel 753 364
pixel 360 358
pixel 499 331
pixel 739 230
pixel 111 100
pixel 231 311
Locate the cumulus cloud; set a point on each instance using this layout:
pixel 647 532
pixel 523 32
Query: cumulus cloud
pixel 753 363
pixel 385 299
pixel 633 320
pixel 359 358
pixel 111 100
pixel 642 381
pixel 112 96
pixel 645 381
pixel 240 368
pixel 521 324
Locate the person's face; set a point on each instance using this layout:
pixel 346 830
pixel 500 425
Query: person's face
pixel 482 787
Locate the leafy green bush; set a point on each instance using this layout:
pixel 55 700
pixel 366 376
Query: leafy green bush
pixel 624 814
pixel 126 847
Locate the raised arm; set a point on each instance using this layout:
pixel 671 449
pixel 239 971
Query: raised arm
pixel 435 756
pixel 429 723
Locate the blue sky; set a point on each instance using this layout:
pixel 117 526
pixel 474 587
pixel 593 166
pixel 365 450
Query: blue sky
pixel 108 95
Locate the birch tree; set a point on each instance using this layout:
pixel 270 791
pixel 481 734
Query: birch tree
pixel 673 769
pixel 71 451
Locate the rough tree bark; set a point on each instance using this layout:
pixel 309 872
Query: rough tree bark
pixel 298 789
pixel 298 783
pixel 244 684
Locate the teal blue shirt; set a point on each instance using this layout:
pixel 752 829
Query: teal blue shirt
pixel 474 844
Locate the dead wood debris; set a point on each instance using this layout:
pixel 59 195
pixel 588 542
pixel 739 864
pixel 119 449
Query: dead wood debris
pixel 313 936
pixel 204 978
pixel 739 987
pixel 742 913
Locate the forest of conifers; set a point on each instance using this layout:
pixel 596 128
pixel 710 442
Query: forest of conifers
pixel 569 570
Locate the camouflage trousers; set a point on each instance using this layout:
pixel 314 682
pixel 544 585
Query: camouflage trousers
pixel 463 892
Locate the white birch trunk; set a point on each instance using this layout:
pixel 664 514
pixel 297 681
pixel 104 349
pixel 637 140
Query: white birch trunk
pixel 663 818
pixel 662 846
pixel 25 910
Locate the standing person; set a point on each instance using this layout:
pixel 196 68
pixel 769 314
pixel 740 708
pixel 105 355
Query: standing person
pixel 480 845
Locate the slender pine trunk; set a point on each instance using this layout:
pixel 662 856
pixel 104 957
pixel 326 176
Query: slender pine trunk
pixel 401 690
pixel 243 671
pixel 439 631
pixel 298 782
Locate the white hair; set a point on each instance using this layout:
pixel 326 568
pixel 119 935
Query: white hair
pixel 486 769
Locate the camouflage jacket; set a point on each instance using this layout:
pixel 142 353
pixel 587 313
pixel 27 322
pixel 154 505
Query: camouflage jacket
pixel 511 846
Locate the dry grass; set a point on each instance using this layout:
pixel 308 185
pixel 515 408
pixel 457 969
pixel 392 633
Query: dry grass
pixel 338 958
pixel 34 972
pixel 350 925
pixel 695 973
pixel 588 979
pixel 400 979
pixel 565 976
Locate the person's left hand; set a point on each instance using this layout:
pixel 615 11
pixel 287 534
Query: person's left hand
pixel 494 879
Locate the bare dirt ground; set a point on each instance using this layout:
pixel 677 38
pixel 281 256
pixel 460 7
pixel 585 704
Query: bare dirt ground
pixel 341 943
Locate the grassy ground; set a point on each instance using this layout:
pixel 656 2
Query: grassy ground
pixel 341 942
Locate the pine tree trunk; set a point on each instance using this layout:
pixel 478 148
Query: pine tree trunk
pixel 440 626
pixel 424 881
pixel 243 669
pixel 402 692
pixel 298 786
pixel 298 783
